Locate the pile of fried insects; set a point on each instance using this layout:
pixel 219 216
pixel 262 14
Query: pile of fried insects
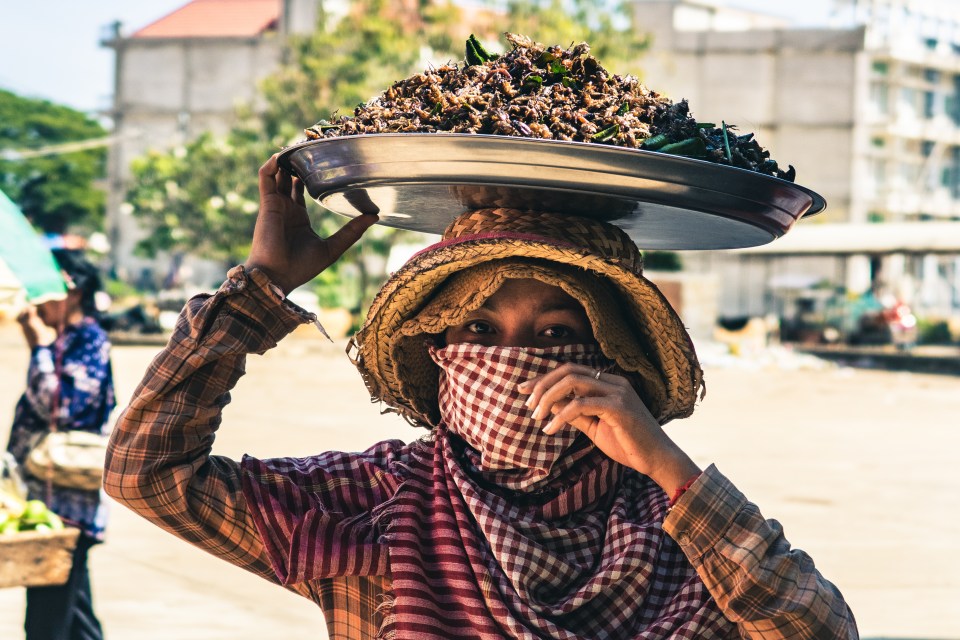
pixel 535 91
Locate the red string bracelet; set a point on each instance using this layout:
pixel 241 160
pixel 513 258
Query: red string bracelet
pixel 680 490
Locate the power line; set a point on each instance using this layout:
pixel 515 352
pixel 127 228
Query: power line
pixel 66 147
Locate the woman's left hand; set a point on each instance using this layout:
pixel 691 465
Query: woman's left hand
pixel 608 410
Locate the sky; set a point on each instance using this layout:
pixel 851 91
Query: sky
pixel 51 49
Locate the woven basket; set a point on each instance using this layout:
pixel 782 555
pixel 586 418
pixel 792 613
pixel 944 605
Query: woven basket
pixel 37 559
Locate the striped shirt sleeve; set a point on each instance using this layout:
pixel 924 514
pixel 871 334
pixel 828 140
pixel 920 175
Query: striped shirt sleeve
pixel 770 590
pixel 158 462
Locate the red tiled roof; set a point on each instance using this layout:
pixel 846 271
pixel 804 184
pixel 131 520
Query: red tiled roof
pixel 215 19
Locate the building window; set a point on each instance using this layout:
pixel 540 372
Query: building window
pixel 908 102
pixel 952 173
pixel 929 104
pixel 880 97
pixel 878 172
pixel 909 172
pixel 880 68
pixel 953 102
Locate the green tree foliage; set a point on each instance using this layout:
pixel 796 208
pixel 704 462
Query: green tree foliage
pixel 200 198
pixel 604 25
pixel 56 191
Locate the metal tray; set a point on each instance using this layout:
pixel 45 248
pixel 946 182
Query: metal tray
pixel 422 181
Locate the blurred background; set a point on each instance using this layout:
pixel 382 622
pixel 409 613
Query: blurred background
pixel 138 134
pixel 134 130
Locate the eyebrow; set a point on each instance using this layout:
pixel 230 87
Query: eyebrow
pixel 559 304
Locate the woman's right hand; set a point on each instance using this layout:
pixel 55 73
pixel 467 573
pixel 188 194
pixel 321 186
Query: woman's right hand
pixel 35 332
pixel 285 246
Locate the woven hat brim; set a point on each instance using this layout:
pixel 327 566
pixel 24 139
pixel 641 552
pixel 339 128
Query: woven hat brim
pixel 660 330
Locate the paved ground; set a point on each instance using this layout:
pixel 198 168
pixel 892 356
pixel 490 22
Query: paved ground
pixel 859 466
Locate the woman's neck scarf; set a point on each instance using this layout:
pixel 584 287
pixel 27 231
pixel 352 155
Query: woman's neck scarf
pixel 500 533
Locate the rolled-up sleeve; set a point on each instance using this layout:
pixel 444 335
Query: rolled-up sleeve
pixel 767 588
pixel 158 462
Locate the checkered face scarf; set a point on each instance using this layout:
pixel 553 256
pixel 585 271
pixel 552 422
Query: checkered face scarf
pixel 480 402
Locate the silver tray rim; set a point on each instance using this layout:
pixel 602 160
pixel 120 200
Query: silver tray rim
pixel 618 161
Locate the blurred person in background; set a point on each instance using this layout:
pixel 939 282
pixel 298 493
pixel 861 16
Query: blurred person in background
pixel 69 384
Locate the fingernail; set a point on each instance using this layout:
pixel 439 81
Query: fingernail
pixel 550 427
pixel 523 386
pixel 537 412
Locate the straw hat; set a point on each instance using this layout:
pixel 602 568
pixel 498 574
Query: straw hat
pixel 593 261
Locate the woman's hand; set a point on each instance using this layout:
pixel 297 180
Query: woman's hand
pixel 36 333
pixel 609 411
pixel 285 246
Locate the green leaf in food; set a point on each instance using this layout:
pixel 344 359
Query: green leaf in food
pixel 476 54
pixel 606 134
pixel 706 125
pixel 546 57
pixel 691 147
pixel 654 142
pixel 726 142
pixel 473 58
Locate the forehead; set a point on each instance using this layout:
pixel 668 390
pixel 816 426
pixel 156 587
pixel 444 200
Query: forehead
pixel 531 294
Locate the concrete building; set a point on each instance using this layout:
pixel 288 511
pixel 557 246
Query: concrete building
pixel 867 110
pixel 182 75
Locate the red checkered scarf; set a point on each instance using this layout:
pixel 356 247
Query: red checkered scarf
pixel 583 556
pixel 480 402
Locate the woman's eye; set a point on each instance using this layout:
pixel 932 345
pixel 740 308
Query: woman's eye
pixel 558 332
pixel 478 327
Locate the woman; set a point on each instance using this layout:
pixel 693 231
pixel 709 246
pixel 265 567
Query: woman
pixel 546 501
pixel 69 383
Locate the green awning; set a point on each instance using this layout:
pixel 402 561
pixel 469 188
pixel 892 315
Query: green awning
pixel 27 257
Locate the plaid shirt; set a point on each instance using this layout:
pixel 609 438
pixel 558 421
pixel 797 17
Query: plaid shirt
pixel 159 465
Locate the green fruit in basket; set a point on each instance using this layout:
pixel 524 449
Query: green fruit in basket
pixel 41 528
pixel 35 511
pixel 53 521
pixel 9 527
